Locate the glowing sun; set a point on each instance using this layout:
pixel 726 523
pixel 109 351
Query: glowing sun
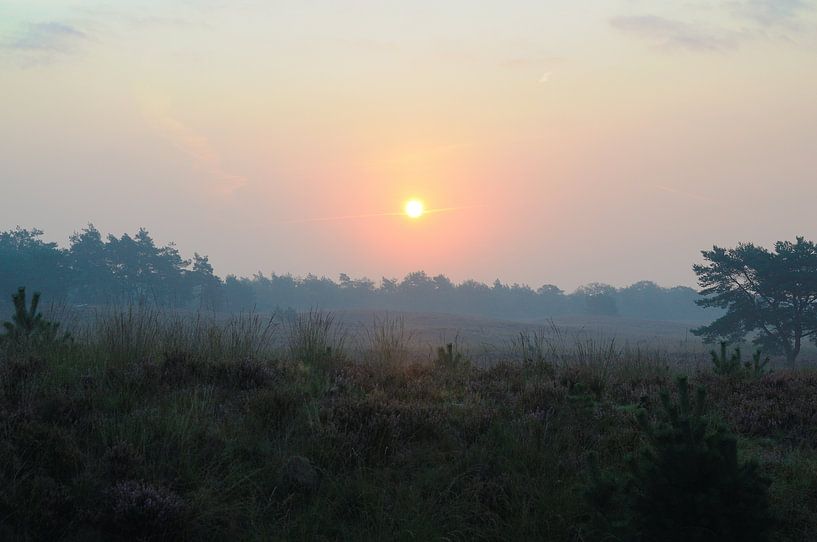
pixel 414 208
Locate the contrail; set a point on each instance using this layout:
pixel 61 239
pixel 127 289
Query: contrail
pixel 446 209
pixel 372 215
pixel 331 218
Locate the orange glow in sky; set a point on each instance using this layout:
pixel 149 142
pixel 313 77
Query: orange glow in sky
pixel 547 143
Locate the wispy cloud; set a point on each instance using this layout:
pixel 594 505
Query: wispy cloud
pixel 770 12
pixel 199 148
pixel 52 36
pixel 670 34
pixel 219 181
pixel 742 20
pixel 39 43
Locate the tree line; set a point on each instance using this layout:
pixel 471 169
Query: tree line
pixel 95 270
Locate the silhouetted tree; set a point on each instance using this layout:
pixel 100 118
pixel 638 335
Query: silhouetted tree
pixel 207 287
pixel 772 294
pixel 25 259
pixel 144 272
pixel 91 277
pixel 599 299
pixel 132 269
pixel 239 293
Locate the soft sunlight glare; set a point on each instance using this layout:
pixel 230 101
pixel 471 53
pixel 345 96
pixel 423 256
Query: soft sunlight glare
pixel 414 208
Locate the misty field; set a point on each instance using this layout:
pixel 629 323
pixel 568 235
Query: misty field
pixel 154 426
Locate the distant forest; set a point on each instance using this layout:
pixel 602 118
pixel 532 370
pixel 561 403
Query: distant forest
pixel 98 270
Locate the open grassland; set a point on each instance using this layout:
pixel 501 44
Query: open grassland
pixel 489 340
pixel 185 428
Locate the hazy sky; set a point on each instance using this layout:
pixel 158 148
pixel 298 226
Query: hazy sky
pixel 587 141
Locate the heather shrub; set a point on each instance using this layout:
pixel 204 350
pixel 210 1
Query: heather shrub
pixel 18 378
pixel 178 368
pixel 121 461
pixel 299 476
pixel 794 498
pixel 36 507
pixel 244 374
pixel 274 407
pixel 781 404
pixel 92 439
pixel 139 510
pixel 372 430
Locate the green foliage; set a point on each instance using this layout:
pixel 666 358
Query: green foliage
pixel 599 299
pixel 757 367
pixel 582 398
pixel 25 258
pixel 726 365
pixel 685 484
pixel 772 293
pixel 27 325
pixel 733 365
pixel 99 269
pixel 451 356
pixel 193 432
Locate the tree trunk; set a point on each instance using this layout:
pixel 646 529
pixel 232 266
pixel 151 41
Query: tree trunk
pixel 791 355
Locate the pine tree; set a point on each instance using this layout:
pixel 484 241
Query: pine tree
pixel 27 324
pixel 686 484
pixel 726 365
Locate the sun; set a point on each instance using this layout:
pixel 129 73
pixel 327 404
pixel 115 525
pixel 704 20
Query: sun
pixel 414 208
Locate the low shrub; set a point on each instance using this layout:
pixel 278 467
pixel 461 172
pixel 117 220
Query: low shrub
pixel 139 510
pixel 685 484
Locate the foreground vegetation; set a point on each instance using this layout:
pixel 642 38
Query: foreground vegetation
pixel 141 426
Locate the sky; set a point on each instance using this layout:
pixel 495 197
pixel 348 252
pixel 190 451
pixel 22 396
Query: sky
pixel 572 142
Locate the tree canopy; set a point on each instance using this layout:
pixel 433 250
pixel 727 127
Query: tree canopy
pixel 97 269
pixel 769 294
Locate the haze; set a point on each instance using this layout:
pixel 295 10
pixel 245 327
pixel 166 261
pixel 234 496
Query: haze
pixel 595 141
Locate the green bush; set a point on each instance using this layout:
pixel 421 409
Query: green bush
pixel 685 484
pixel 733 365
pixel 451 356
pixel 27 325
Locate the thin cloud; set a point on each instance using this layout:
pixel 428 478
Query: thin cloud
pixel 375 215
pixel 43 43
pixel 769 13
pixel 670 34
pixel 51 37
pixel 204 156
